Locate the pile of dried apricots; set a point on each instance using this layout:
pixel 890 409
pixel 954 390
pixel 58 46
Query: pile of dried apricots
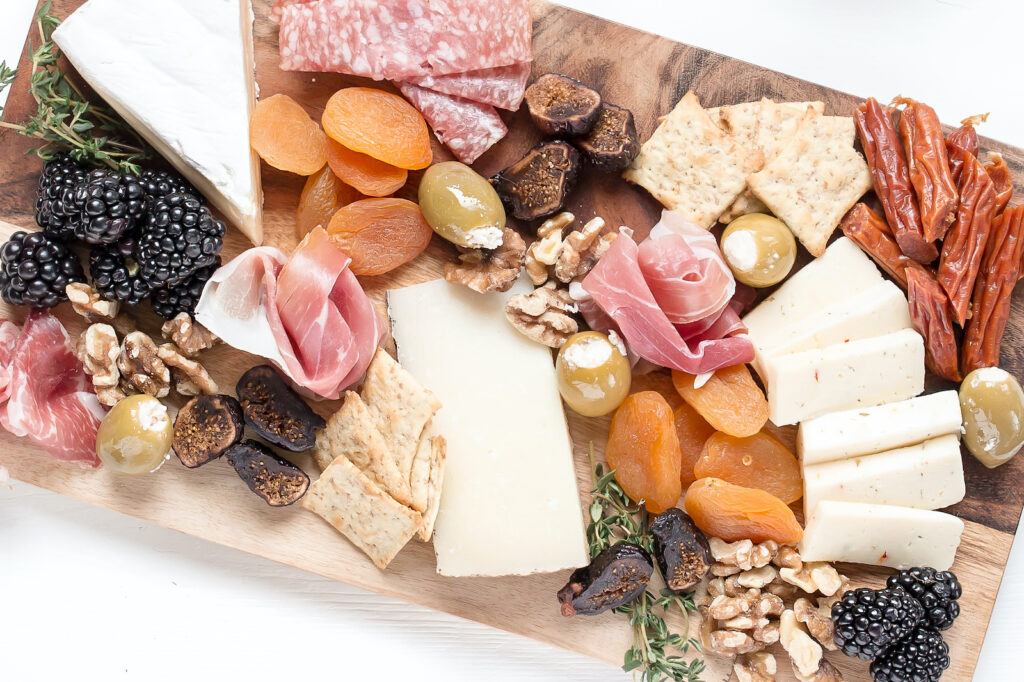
pixel 369 141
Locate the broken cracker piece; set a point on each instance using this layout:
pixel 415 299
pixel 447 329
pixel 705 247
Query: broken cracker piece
pixel 439 452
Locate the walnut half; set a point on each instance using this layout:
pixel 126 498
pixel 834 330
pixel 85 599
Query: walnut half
pixel 484 271
pixel 98 351
pixel 189 336
pixel 141 366
pixel 88 303
pixel 544 315
pixel 756 667
pixel 582 249
pixel 190 378
pixel 544 252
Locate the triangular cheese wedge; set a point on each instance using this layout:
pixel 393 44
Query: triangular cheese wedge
pixel 181 73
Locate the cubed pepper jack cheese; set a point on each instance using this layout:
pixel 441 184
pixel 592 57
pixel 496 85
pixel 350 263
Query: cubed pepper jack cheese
pixel 881 535
pixel 843 376
pixel 510 505
pixel 929 475
pixel 865 431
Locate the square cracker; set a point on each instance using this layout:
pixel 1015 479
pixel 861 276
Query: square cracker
pixel 400 407
pixel 352 432
pixel 370 518
pixel 436 450
pixel 815 180
pixel 691 165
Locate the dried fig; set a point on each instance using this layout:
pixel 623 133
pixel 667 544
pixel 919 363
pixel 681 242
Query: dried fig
pixel 681 549
pixel 615 577
pixel 276 480
pixel 537 184
pixel 611 144
pixel 560 105
pixel 276 412
pixel 205 428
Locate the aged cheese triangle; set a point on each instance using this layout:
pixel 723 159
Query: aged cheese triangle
pixel 181 73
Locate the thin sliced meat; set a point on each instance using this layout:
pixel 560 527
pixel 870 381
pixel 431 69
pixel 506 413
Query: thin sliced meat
pixel 9 333
pixel 278 8
pixel 502 86
pixel 467 128
pixel 50 398
pixel 404 39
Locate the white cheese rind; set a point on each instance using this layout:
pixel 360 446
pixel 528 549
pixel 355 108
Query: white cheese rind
pixel 843 376
pixel 929 475
pixel 865 431
pixel 180 72
pixel 881 535
pixel 510 504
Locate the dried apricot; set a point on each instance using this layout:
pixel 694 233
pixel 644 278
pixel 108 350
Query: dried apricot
pixel 644 451
pixel 732 512
pixel 368 175
pixel 380 234
pixel 730 400
pixel 322 196
pixel 692 431
pixel 758 461
pixel 284 136
pixel 380 124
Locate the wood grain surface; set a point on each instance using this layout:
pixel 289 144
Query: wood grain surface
pixel 637 70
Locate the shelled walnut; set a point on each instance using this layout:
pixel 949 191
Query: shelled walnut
pixel 803 651
pixel 141 366
pixel 545 315
pixel 190 378
pixel 543 253
pixel 98 350
pixel 485 271
pixel 189 336
pixel 582 249
pixel 88 303
pixel 756 667
pixel 818 620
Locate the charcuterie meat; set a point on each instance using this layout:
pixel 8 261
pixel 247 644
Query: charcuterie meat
pixel 467 128
pixel 501 86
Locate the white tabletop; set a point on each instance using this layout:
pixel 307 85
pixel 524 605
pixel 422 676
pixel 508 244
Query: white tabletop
pixel 88 594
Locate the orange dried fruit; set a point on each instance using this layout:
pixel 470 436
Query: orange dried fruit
pixel 730 400
pixel 644 451
pixel 380 234
pixel 758 461
pixel 380 124
pixel 732 512
pixel 692 431
pixel 284 136
pixel 322 196
pixel 368 175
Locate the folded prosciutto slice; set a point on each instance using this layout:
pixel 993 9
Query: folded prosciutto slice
pixel 307 314
pixel 45 392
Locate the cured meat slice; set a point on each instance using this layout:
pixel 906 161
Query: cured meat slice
pixel 49 396
pixel 307 314
pixel 502 86
pixel 278 9
pixel 467 128
pixel 9 333
pixel 404 39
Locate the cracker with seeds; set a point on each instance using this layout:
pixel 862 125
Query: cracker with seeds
pixel 370 518
pixel 419 475
pixel 691 165
pixel 814 180
pixel 438 449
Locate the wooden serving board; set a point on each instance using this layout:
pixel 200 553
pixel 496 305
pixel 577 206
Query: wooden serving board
pixel 643 72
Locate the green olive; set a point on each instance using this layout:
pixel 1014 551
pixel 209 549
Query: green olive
pixel 135 436
pixel 992 404
pixel 462 206
pixel 759 249
pixel 593 374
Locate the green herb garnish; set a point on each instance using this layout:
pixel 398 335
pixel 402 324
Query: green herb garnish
pixel 656 650
pixel 65 120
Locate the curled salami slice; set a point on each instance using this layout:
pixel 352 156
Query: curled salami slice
pixel 467 128
pixel 501 87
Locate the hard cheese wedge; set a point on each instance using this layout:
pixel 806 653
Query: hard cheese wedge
pixel 842 376
pixel 929 475
pixel 865 431
pixel 510 504
pixel 881 535
pixel 180 72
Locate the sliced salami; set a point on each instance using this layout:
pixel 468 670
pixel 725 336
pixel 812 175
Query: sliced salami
pixel 404 39
pixel 467 128
pixel 278 9
pixel 501 86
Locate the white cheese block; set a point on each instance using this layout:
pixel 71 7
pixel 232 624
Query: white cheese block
pixel 843 376
pixel 881 535
pixel 510 505
pixel 880 309
pixel 929 475
pixel 865 431
pixel 180 72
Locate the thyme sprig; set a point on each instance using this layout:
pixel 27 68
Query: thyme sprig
pixel 65 119
pixel 656 654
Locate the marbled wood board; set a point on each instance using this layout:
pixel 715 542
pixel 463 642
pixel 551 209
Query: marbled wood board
pixel 643 72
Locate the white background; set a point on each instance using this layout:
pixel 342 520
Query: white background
pixel 88 594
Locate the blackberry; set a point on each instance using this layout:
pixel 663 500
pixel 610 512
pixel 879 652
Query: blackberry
pixel 870 621
pixel 107 205
pixel 159 183
pixel 117 277
pixel 936 590
pixel 60 174
pixel 183 297
pixel 35 270
pixel 921 657
pixel 181 237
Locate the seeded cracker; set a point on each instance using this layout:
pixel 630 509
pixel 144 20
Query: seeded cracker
pixel 438 455
pixel 690 165
pixel 815 180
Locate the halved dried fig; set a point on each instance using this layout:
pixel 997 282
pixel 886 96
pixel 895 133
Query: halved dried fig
pixel 278 481
pixel 611 144
pixel 560 105
pixel 681 549
pixel 537 184
pixel 205 428
pixel 616 576
pixel 276 412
